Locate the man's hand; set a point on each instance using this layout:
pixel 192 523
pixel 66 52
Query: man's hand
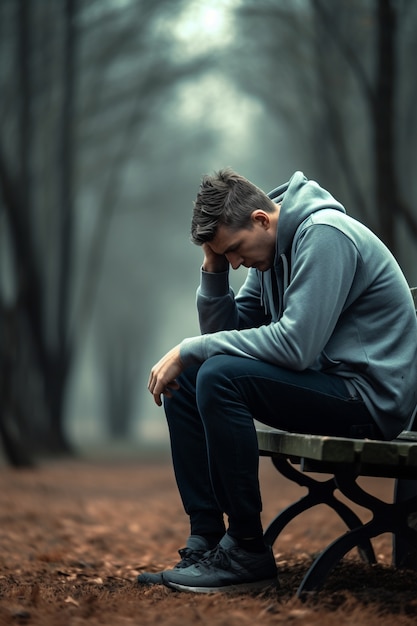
pixel 214 262
pixel 162 379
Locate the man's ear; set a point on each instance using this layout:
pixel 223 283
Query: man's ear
pixel 261 218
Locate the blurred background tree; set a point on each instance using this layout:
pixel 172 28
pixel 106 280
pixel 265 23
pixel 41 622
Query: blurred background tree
pixel 341 75
pixel 111 111
pixel 80 79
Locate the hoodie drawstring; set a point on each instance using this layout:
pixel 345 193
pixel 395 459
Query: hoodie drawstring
pixel 285 267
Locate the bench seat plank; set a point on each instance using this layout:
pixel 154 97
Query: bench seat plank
pixel 400 453
pixel 313 447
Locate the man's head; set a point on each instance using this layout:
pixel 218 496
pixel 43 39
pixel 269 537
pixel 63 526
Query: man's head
pixel 236 219
pixel 229 199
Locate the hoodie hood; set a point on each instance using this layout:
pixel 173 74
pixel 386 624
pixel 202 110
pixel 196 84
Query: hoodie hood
pixel 299 198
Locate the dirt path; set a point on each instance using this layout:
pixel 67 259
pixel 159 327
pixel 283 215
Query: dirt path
pixel 74 535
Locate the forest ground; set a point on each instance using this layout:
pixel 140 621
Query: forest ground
pixel 75 534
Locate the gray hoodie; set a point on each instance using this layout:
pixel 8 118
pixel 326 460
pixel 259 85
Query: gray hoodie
pixel 335 301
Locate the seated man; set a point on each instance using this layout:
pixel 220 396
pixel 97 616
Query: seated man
pixel 321 338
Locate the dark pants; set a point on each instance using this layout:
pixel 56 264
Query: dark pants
pixel 213 436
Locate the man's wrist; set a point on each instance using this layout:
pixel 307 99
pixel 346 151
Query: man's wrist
pixel 215 267
pixel 214 284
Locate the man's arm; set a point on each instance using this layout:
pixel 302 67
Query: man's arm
pixel 218 308
pixel 321 279
pixel 162 379
pixel 217 311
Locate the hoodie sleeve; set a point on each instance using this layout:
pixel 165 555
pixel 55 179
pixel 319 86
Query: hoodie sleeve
pixel 219 309
pixel 323 271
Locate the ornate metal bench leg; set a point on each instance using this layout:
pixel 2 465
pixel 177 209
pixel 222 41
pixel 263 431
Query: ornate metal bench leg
pixel 365 549
pixel 330 557
pixel 285 517
pixel 319 492
pixel 387 517
pixel 404 553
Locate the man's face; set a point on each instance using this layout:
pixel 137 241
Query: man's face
pixel 250 247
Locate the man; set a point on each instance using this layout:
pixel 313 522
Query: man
pixel 322 339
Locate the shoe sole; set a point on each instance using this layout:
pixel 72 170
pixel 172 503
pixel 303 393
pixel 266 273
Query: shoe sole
pixel 241 588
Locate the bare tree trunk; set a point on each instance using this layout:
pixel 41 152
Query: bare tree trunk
pixel 12 419
pixel 12 422
pixel 333 122
pixel 60 356
pixel 386 185
pixel 380 98
pixel 52 361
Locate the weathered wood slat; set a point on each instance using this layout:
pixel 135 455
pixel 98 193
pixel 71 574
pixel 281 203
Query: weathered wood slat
pixel 400 452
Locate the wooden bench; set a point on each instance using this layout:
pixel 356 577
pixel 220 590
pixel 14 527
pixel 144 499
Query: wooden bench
pixel 345 460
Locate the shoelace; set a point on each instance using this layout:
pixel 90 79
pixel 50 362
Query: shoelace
pixel 189 556
pixel 218 557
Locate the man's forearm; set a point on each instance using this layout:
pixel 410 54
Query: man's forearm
pixel 215 266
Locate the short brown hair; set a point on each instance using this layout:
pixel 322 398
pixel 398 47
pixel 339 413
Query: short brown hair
pixel 225 198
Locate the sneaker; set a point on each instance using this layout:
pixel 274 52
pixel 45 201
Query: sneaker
pixel 226 568
pixel 195 549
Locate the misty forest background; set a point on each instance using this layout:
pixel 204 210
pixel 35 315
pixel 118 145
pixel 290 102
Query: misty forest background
pixel 110 113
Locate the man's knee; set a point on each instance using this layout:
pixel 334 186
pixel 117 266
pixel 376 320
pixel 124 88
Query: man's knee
pixel 213 369
pixel 213 380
